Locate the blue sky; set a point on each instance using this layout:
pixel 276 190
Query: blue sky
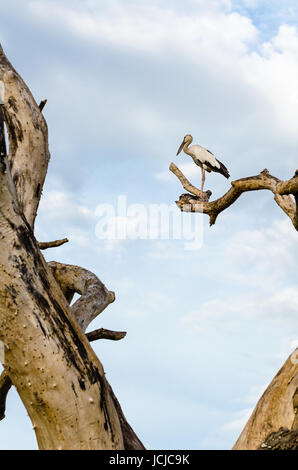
pixel 207 329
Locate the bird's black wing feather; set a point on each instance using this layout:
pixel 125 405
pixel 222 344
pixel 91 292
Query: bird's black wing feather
pixel 222 169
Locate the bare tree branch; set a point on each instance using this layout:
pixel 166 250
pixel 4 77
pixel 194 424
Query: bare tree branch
pixel 290 186
pixel 5 385
pixel 102 333
pixel 53 244
pixel 42 104
pixel 193 203
pixel 185 183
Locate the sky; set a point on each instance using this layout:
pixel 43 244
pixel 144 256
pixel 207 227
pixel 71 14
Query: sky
pixel 210 323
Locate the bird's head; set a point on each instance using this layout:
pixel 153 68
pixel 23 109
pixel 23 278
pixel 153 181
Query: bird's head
pixel 187 140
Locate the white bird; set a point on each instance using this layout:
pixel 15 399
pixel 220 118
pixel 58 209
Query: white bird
pixel 203 158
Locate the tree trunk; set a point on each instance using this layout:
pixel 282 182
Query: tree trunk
pixel 277 408
pixel 48 358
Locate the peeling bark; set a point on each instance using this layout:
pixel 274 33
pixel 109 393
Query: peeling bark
pixel 283 439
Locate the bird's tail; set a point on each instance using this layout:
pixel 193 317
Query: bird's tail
pixel 223 170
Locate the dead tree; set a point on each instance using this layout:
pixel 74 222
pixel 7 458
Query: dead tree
pixel 48 357
pixel 276 410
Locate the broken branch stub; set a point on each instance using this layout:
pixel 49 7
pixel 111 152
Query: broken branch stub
pixel 5 385
pixel 53 244
pixel 102 333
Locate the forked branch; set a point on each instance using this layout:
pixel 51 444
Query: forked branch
pixel 282 191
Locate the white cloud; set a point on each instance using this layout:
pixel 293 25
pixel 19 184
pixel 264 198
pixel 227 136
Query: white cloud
pixel 62 215
pixel 80 240
pixel 205 69
pixel 57 204
pixel 260 262
pixel 213 4
pixel 256 258
pixel 149 28
pixel 282 304
pixel 274 73
pixel 262 254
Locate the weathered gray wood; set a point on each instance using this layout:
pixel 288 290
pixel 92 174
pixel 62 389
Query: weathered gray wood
pixel 5 385
pixel 102 333
pixel 281 190
pixel 274 410
pixel 47 355
pixel 28 139
pixel 53 244
pixel 94 296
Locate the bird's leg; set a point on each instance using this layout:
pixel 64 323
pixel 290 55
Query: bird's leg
pixel 203 181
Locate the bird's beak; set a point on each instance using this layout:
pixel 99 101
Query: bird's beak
pixel 180 148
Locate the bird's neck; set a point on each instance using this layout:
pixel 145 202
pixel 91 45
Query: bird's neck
pixel 185 148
